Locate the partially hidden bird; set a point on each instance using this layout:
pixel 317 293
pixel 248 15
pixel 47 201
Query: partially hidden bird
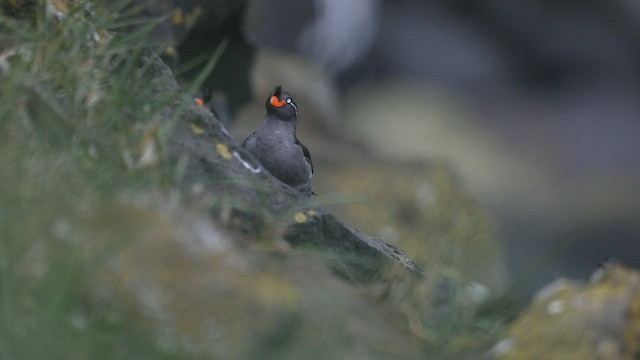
pixel 276 146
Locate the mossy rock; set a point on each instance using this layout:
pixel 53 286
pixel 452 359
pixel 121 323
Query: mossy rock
pixel 421 208
pixel 599 319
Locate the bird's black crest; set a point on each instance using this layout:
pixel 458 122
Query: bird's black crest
pixel 277 91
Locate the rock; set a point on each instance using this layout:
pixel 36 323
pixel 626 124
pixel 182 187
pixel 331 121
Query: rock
pixel 220 167
pixel 426 213
pixel 244 303
pixel 599 319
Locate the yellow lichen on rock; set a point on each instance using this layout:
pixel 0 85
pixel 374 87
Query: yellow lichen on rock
pixel 170 50
pixel 223 150
pixel 300 217
pixel 178 17
pixel 193 16
pixel 197 130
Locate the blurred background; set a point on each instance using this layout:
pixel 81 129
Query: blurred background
pixel 533 105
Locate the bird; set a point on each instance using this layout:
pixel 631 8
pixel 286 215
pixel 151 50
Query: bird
pixel 275 144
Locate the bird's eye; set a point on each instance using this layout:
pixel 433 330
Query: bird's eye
pixel 288 101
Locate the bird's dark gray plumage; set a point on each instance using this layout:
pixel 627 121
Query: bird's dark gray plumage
pixel 276 146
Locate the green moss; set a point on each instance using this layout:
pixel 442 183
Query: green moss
pixel 596 320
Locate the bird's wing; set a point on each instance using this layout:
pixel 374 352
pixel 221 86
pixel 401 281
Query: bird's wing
pixel 248 140
pixel 306 153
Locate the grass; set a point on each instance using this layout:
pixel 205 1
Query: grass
pixel 73 111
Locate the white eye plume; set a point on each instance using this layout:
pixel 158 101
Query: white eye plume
pixel 292 104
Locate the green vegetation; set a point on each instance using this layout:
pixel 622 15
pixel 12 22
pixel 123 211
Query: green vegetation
pixel 73 111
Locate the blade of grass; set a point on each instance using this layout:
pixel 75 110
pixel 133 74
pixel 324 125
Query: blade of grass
pixel 213 61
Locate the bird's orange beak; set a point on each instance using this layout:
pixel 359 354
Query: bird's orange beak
pixel 277 102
